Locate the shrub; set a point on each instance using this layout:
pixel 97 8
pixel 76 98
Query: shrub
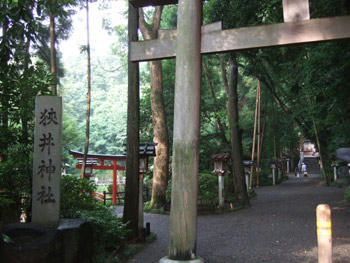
pixel 207 190
pixel 76 195
pixel 107 229
pixel 347 194
pixel 77 201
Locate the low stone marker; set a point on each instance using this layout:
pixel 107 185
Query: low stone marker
pixel 47 161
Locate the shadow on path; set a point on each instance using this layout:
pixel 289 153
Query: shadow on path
pixel 279 227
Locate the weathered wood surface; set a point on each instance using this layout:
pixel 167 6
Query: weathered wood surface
pixel 295 10
pixel 172 33
pixel 185 163
pixel 315 30
pixel 131 204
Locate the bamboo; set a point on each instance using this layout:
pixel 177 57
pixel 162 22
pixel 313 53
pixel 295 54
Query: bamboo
pixel 319 150
pixel 254 135
pixel 259 136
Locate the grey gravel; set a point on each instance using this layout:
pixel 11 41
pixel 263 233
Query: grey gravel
pixel 280 226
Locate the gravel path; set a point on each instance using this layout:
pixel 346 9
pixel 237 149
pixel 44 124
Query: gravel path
pixel 279 227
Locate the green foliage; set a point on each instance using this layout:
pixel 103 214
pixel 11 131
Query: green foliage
pixel 108 107
pixel 76 196
pixel 108 231
pixel 207 190
pixel 347 194
pixel 77 201
pixel 6 239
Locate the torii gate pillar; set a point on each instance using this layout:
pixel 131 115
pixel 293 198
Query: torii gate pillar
pixel 183 214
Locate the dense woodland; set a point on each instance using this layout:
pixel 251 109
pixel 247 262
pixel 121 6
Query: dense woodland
pixel 304 91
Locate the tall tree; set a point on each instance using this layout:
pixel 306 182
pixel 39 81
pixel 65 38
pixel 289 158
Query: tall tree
pixel 88 106
pixel 160 131
pixel 53 53
pixel 230 85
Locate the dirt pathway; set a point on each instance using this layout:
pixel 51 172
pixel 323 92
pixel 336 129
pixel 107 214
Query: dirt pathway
pixel 279 227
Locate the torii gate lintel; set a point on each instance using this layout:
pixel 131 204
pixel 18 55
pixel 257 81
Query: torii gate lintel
pixel 237 39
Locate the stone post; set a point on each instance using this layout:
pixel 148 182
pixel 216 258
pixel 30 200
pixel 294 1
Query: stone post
pixel 288 167
pixel 247 181
pixel 273 176
pixel 47 161
pixel 183 214
pixel 221 190
pixel 335 173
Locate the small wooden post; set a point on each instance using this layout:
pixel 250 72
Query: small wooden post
pixel 324 233
pixel 295 10
pixel 114 198
pixel 141 202
pixel 104 197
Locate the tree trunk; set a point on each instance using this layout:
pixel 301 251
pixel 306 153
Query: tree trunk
pixel 325 178
pixel 232 111
pixel 160 130
pixel 160 136
pixel 87 134
pixel 53 54
pixel 4 101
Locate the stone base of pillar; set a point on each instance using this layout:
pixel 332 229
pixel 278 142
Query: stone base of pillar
pixel 168 260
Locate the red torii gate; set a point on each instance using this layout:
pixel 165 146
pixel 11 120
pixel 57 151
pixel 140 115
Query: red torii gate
pixel 97 161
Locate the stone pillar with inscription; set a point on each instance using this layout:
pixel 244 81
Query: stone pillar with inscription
pixel 47 161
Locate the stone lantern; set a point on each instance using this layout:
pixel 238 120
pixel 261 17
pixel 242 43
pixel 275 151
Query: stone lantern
pixel 247 164
pixel 220 168
pixel 145 150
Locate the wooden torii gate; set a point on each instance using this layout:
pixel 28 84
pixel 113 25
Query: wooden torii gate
pixel 187 43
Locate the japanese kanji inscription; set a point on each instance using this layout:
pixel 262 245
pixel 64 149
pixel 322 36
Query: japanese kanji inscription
pixel 47 160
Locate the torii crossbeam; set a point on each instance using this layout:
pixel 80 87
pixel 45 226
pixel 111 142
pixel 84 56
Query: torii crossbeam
pixel 217 41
